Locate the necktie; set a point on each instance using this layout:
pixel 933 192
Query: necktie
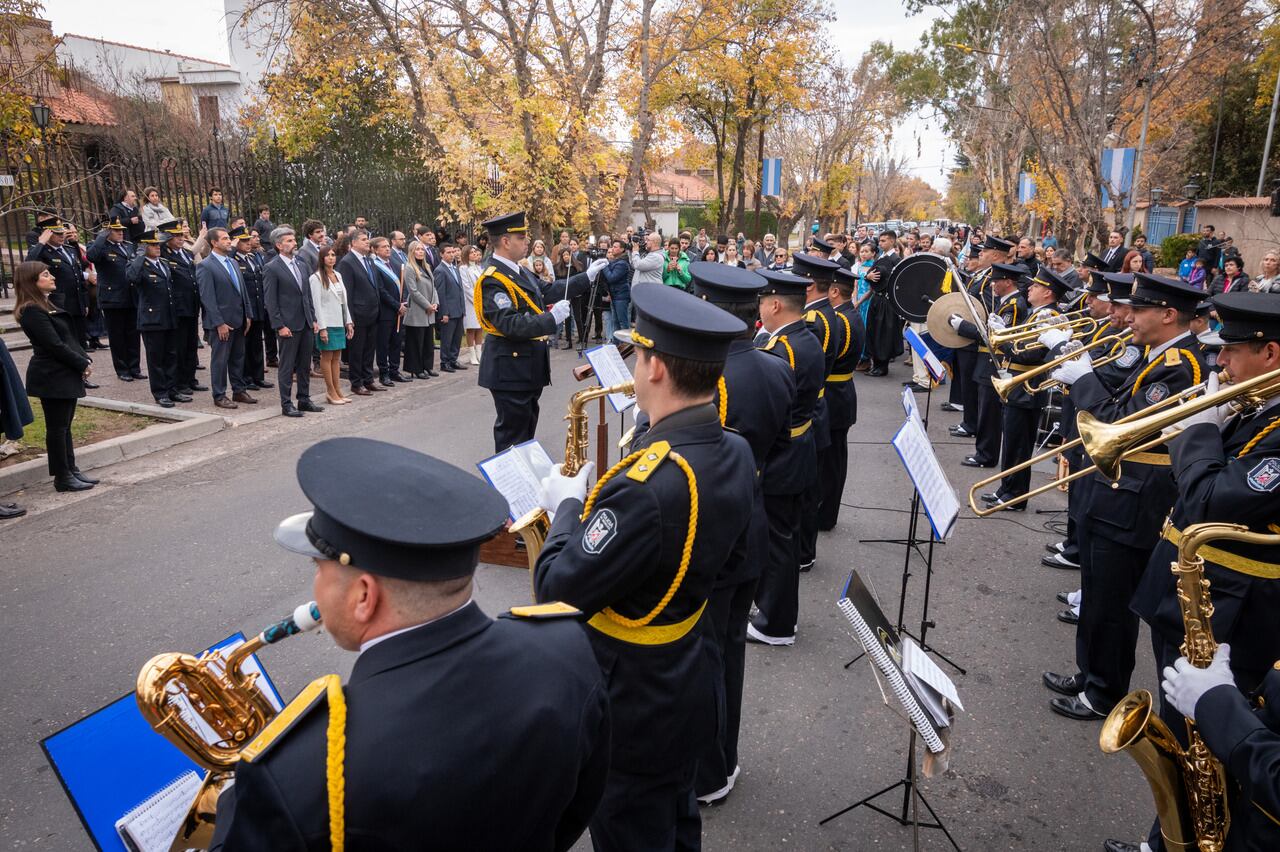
pixel 297 276
pixel 368 266
pixel 231 270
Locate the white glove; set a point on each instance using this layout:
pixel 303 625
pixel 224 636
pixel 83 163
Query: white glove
pixel 1216 416
pixel 1184 684
pixel 995 322
pixel 560 310
pixel 1052 338
pixel 557 487
pixel 593 271
pixel 1074 370
pixel 955 320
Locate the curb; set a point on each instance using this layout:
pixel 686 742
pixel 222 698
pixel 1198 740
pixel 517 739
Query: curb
pixel 183 426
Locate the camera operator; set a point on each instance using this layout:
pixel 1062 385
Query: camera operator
pixel 646 258
pixel 617 280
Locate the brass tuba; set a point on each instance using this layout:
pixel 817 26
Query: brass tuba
pixel 1188 784
pixel 534 525
pixel 211 708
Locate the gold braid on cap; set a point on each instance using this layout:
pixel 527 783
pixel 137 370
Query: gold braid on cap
pixel 640 340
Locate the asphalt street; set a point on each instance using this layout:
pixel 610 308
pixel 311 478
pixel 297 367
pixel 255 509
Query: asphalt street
pixel 174 552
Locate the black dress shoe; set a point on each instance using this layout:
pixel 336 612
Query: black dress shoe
pixel 164 402
pixel 139 376
pixel 1064 685
pixel 401 377
pixel 9 511
pixel 199 387
pixel 179 397
pixel 1057 560
pixel 951 406
pixel 373 386
pixel 959 432
pixel 266 384
pixel 422 375
pixel 1120 846
pixel 1074 708
pixel 69 483
pixel 448 368
pixel 386 383
pixel 876 371
pixel 124 377
pixel 1056 547
pixel 90 385
pixel 1064 597
pixel 310 407
pixel 999 503
pixel 458 365
pixel 433 374
pixel 990 497
pixel 290 411
pixel 972 461
pixel 1069 616
pixel 84 477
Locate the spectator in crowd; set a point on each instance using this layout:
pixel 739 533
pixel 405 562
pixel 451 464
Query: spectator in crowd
pixel 1049 242
pixel 293 316
pixel 1133 262
pixel 617 279
pixel 710 255
pixel 224 298
pixel 57 371
pixel 126 210
pixel 430 243
pixel 1228 249
pixel 749 259
pixel 740 242
pixel 926 243
pixel 862 296
pixel 1113 254
pixel 1025 253
pixel 1184 267
pixel 470 269
pixel 215 214
pixel 1233 278
pixel 779 259
pixel 722 243
pixel 675 269
pixel 360 223
pixel 686 246
pixel 563 267
pixel 542 271
pixel 313 239
pixel 730 256
pixel 1059 260
pixel 154 213
pixel 768 245
pixel 701 244
pixel 263 226
pixel 1140 246
pixel 646 266
pixel 392 306
pixel 452 309
pixel 1199 277
pixel 1268 280
pixel 1209 249
pixel 15 414
pixel 420 332
pixel 356 268
pixel 482 243
pixel 334 319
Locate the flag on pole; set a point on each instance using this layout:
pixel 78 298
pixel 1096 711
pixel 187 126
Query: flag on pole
pixel 982 206
pixel 1117 175
pixel 771 176
pixel 1026 188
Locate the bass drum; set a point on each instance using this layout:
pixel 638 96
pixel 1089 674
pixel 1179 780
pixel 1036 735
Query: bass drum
pixel 915 284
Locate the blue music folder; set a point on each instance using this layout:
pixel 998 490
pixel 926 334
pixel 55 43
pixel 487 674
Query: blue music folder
pixel 111 761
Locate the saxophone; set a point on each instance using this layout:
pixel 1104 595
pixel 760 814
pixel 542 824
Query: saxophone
pixel 211 708
pixel 1188 784
pixel 533 526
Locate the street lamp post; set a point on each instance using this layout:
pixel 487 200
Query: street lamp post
pixel 40 114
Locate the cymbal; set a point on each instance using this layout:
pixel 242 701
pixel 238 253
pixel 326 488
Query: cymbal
pixel 915 283
pixel 939 312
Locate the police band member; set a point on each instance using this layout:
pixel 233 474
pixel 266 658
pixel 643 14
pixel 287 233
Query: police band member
pixel 186 305
pixel 461 732
pixel 251 260
pixel 841 397
pixel 110 253
pixel 998 293
pixel 754 398
pixel 1022 409
pixel 72 293
pixel 1122 523
pixel 152 284
pixel 1227 467
pixel 641 556
pixel 511 303
pixel 788 477
pixel 974 358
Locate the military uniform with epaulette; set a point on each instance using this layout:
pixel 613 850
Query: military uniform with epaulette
pixel 156 319
pixel 641 557
pixel 842 408
pixel 1122 520
pixel 788 476
pixel 965 358
pixel 990 410
pixel 255 362
pixel 186 308
pixel 111 261
pixel 63 262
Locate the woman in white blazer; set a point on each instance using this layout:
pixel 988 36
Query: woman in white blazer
pixel 334 318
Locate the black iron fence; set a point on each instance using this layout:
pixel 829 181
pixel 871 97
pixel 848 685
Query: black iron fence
pixel 79 177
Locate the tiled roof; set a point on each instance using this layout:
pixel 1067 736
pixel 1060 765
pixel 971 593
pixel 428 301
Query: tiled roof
pixel 73 106
pixel 1247 201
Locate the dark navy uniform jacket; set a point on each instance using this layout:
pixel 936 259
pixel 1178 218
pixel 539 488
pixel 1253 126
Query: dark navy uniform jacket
pixel 111 261
pixel 623 560
pixel 1232 476
pixel 152 293
pixel 1247 742
pixel 182 275
pixel 464 733
pixel 1133 512
pixel 1012 310
pixel 841 395
pixel 251 274
pixel 821 319
pixel 795 470
pixel 72 294
pixel 1019 398
pixel 516 315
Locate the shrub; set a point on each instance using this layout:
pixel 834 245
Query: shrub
pixel 1174 248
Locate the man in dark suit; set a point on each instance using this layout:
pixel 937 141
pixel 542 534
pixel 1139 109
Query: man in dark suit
pixel 313 239
pixel 452 307
pixel 250 260
pixel 186 303
pixel 225 299
pixel 126 210
pixel 392 306
pixel 287 293
pixel 110 254
pixel 1113 257
pixel 356 269
pixel 433 251
pixel 522 698
pixel 152 288
pixel 398 255
pixel 72 293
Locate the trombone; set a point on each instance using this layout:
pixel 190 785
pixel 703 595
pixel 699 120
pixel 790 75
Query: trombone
pixel 1023 336
pixel 1005 385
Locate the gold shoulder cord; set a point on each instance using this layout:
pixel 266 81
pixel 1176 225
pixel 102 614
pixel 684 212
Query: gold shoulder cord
pixel 516 293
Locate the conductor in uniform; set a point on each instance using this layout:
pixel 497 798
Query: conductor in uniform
pixel 461 731
pixel 512 305
pixel 641 554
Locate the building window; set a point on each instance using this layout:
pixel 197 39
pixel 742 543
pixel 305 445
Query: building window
pixel 208 105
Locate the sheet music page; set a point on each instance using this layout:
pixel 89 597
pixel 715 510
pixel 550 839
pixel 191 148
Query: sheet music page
pixel 153 824
pixel 930 683
pixel 611 370
pixel 922 350
pixel 536 458
pixel 251 667
pixel 940 501
pixel 511 474
pixel 909 406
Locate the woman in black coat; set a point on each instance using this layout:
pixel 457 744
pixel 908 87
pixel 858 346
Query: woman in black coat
pixel 57 371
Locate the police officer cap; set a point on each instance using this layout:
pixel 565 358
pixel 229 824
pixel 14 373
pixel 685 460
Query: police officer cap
pixel 1092 261
pixel 995 243
pixel 1097 282
pixel 1008 271
pixel 1245 316
pixel 173 227
pixel 780 283
pixel 239 232
pixel 115 224
pixel 1157 291
pixel 149 236
pixel 507 223
pixel 371 511
pixel 822 245
pixel 1204 309
pixel 1046 277
pixel 718 282
pixel 50 223
pixel 1119 286
pixel 813 267
pixel 673 322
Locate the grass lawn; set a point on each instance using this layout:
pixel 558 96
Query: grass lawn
pixel 89 426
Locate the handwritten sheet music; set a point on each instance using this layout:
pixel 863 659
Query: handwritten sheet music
pixel 153 824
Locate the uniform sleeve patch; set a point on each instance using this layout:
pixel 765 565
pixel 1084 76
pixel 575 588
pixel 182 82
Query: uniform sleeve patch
pixel 502 300
pixel 1155 393
pixel 1129 357
pixel 602 530
pixel 1265 476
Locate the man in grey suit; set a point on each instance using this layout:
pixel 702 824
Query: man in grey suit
pixel 313 239
pixel 287 292
pixel 452 308
pixel 225 300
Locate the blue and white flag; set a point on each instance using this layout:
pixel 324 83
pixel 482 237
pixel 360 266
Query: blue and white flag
pixel 982 206
pixel 1026 188
pixel 771 176
pixel 1117 174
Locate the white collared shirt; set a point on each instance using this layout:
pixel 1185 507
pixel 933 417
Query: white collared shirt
pixel 364 646
pixel 1157 351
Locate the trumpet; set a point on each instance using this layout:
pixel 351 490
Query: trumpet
pixel 1023 336
pixel 1005 385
